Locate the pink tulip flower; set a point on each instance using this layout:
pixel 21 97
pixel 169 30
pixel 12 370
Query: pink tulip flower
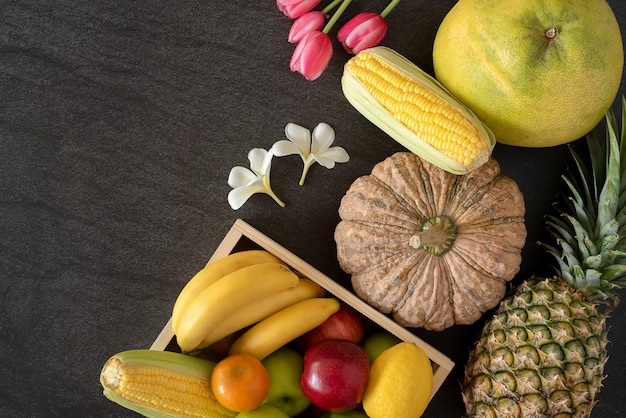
pixel 296 8
pixel 363 31
pixel 304 24
pixel 312 55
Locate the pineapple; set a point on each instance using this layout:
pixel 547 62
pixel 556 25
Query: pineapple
pixel 543 352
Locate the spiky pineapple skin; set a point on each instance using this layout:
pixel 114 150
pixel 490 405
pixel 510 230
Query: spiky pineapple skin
pixel 542 354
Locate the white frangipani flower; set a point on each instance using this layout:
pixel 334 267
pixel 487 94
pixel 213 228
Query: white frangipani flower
pixel 311 148
pixel 246 182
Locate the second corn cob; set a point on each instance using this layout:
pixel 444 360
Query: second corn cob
pixel 416 111
pixel 162 384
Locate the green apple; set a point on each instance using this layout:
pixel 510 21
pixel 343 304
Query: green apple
pixel 379 342
pixel 263 411
pixel 350 414
pixel 285 367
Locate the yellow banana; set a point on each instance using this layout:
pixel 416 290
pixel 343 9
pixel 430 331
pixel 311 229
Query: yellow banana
pixel 262 308
pixel 212 273
pixel 227 295
pixel 284 326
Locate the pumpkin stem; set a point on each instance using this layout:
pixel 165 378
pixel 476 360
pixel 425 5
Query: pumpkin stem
pixel 436 236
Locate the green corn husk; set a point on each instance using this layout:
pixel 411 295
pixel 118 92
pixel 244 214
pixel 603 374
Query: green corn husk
pixel 416 110
pixel 162 384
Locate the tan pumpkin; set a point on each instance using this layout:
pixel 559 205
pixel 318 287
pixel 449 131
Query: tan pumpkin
pixel 432 248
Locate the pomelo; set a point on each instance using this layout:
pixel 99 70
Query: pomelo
pixel 539 73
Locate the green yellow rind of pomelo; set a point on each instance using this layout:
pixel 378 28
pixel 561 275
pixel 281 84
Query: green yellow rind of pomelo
pixel 539 73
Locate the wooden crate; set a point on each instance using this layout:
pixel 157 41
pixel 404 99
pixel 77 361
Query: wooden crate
pixel 242 236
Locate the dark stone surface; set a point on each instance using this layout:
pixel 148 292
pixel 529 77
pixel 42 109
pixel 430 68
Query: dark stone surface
pixel 119 123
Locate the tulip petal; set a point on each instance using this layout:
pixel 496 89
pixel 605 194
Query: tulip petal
pixel 312 55
pixel 294 64
pixel 365 30
pixel 367 39
pixel 352 24
pixel 311 21
pixel 296 8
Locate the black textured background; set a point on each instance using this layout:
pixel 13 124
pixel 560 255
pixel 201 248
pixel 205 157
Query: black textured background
pixel 119 123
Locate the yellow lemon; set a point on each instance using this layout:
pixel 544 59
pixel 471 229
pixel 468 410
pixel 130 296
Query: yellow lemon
pixel 539 73
pixel 400 383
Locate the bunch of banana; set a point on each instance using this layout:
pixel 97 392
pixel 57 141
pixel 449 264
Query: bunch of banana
pixel 212 273
pixel 243 289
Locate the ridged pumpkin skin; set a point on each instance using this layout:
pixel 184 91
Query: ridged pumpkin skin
pixel 453 272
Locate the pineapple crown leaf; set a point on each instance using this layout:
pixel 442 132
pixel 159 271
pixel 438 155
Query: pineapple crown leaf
pixel 615 274
pixel 590 231
pixel 588 203
pixel 566 255
pixel 576 205
pixel 609 195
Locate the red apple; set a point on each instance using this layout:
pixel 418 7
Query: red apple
pixel 345 324
pixel 335 374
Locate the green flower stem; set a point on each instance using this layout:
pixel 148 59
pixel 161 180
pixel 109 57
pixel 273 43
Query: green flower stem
pixel 305 170
pixel 270 192
pixel 336 16
pixel 331 6
pixel 389 8
pixel 280 202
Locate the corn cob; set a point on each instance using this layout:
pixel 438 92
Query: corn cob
pixel 415 110
pixel 161 384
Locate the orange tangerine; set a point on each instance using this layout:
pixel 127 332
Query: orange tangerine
pixel 240 382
